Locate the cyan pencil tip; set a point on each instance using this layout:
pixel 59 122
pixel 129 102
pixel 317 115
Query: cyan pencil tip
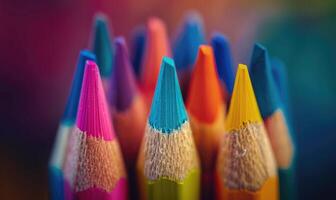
pixel 123 87
pixel 102 46
pixel 69 115
pixel 167 112
pixel 223 58
pixel 263 81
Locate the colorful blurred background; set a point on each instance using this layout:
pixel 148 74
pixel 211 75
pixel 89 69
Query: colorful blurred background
pixel 39 45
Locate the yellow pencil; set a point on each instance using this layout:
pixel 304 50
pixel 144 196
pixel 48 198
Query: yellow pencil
pixel 246 167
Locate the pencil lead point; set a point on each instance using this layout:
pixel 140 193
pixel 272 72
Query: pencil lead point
pixel 70 113
pixel 156 47
pixel 223 57
pixel 243 106
pixel 93 115
pixel 102 46
pixel 205 96
pixel 167 111
pixel 190 37
pixel 263 81
pixel 123 87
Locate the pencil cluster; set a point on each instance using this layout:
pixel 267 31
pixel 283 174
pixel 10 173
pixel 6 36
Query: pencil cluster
pixel 138 127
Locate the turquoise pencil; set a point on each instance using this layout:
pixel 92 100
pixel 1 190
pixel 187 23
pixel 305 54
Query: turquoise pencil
pixel 102 47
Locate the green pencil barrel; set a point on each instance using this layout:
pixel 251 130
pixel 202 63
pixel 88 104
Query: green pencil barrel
pixel 165 189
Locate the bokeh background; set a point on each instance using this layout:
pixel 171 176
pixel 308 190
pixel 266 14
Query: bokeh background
pixel 39 45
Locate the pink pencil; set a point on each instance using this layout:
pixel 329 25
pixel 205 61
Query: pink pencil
pixel 97 166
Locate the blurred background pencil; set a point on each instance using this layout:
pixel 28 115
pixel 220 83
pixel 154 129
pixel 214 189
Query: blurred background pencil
pixel 157 46
pixel 100 168
pixel 101 45
pixel 224 63
pixel 138 41
pixel 279 74
pixel 246 166
pixel 170 162
pixel 56 177
pixel 188 39
pixel 128 110
pixel 206 109
pixel 276 124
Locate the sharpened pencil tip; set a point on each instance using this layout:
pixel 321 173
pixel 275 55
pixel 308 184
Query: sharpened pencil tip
pixel 102 45
pixel 156 47
pixel 205 95
pixel 70 113
pixel 263 81
pixel 223 58
pixel 93 115
pixel 167 112
pixel 122 86
pixel 243 107
pixel 190 37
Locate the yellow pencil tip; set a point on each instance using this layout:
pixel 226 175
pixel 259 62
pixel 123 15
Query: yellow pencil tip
pixel 243 108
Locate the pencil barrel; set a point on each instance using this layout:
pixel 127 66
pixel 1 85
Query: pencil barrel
pixel 287 183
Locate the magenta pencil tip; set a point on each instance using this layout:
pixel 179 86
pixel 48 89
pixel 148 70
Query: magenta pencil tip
pixel 93 116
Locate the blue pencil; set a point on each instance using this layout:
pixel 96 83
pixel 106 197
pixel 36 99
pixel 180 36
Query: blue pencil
pixel 185 48
pixel 223 57
pixel 275 119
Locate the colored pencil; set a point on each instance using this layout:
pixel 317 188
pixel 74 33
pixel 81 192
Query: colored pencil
pixel 170 164
pixel 138 46
pixel 223 57
pixel 128 109
pixel 157 46
pixel 97 167
pixel 281 81
pixel 246 166
pixel 207 109
pixel 102 47
pixel 189 38
pixel 275 120
pixel 56 177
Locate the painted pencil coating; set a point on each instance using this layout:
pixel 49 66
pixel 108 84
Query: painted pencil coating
pixel 207 110
pixel 99 169
pixel 271 106
pixel 168 161
pixel 157 46
pixel 56 176
pixel 246 167
pixel 102 46
pixel 223 57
